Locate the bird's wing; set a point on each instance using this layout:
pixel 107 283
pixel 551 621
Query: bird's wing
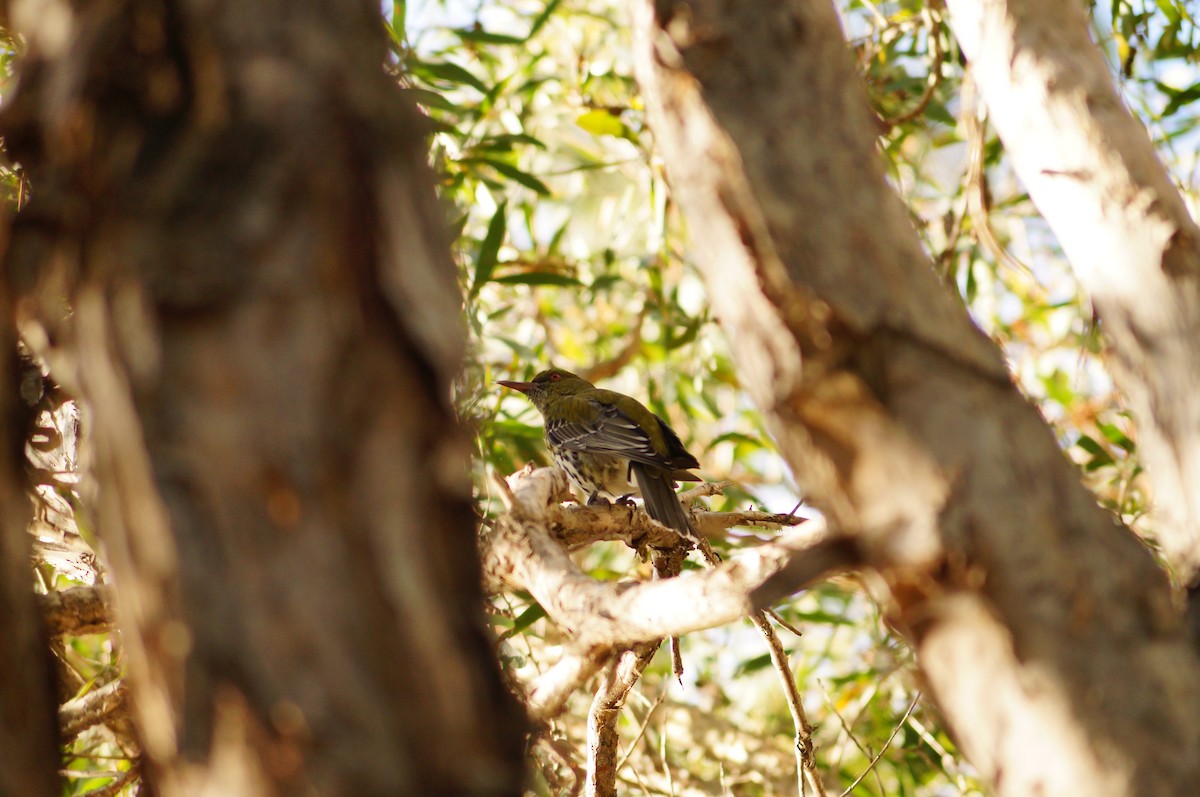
pixel 601 428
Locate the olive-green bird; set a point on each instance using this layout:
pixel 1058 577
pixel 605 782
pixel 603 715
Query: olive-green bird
pixel 611 446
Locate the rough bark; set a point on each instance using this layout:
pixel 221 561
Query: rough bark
pixel 1046 633
pixel 1092 171
pixel 234 200
pixel 28 728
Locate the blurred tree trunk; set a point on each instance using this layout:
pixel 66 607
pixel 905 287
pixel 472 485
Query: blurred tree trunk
pixel 232 199
pixel 1046 633
pixel 28 732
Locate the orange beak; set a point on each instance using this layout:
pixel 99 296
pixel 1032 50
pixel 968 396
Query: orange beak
pixel 523 387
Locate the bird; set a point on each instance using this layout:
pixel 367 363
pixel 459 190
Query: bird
pixel 611 446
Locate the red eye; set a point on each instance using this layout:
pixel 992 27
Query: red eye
pixel 555 377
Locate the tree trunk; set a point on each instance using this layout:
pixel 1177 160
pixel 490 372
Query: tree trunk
pixel 1046 633
pixel 28 705
pixel 1091 169
pixel 264 326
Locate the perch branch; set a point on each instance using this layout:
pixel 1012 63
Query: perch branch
pixel 522 552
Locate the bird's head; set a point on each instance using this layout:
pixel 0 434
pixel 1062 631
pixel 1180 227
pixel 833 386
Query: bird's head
pixel 550 384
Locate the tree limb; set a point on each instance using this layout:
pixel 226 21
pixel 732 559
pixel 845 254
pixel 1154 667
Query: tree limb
pixel 102 704
pixel 78 610
pixel 606 708
pixel 898 416
pixel 522 552
pixel 1091 169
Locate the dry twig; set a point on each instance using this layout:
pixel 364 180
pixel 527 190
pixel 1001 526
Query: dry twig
pixel 103 704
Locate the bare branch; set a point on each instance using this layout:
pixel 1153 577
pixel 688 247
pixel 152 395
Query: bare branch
pixel 548 694
pixel 602 719
pixel 78 610
pixel 806 764
pixel 114 787
pixel 103 704
pixel 521 552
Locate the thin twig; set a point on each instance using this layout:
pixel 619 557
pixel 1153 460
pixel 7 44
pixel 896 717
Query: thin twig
pixel 883 750
pixel 976 181
pixel 642 728
pixel 848 727
pixel 806 765
pixel 934 79
pixel 947 761
pixel 114 786
pixel 774 615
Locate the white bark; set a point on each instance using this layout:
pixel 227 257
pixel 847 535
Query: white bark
pixel 1091 169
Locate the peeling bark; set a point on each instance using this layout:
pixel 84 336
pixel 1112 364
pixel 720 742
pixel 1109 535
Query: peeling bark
pixel 1047 634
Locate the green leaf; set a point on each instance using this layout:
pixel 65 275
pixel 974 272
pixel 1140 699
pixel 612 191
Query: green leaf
pixel 524 620
pixel 601 123
pixel 450 72
pixel 483 37
pixel 516 430
pixel 506 141
pixel 520 349
pixel 542 18
pixel 396 23
pixel 489 248
pixel 1181 98
pixel 1117 437
pixel 1100 457
pixel 738 438
pixel 754 664
pixel 513 173
pixel 539 278
pixel 431 99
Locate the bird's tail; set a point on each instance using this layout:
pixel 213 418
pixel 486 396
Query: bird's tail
pixel 658 491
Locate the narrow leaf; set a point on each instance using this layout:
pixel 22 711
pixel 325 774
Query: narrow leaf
pixel 513 173
pixel 538 278
pixel 489 249
pixel 483 37
pixel 446 70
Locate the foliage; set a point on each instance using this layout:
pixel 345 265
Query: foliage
pixel 570 250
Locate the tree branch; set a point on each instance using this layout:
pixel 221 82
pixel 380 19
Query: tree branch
pixel 521 552
pixel 1091 169
pixel 899 418
pixel 76 611
pixel 806 763
pixel 102 704
pixel 603 715
pixel 546 696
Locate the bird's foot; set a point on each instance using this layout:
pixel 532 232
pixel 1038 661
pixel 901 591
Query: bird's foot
pixel 626 500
